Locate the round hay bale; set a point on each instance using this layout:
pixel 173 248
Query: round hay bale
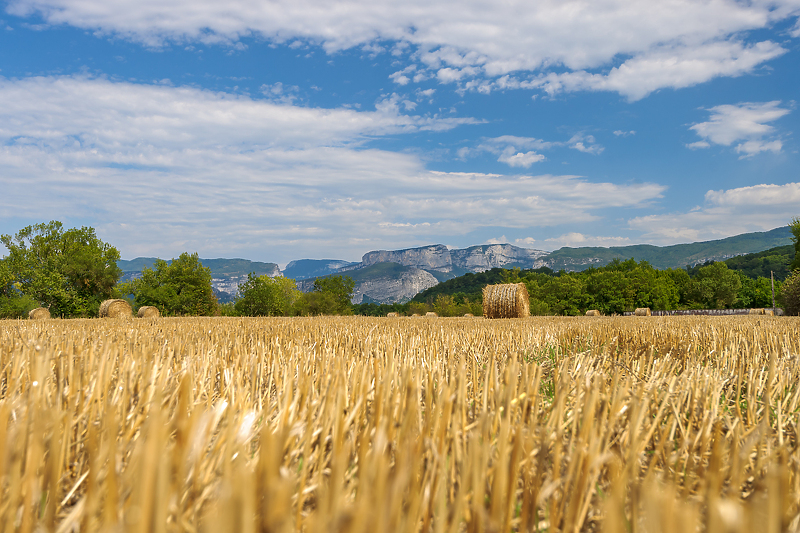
pixel 148 311
pixel 755 312
pixel 392 315
pixel 508 300
pixel 431 314
pixel 115 309
pixel 415 315
pixel 469 315
pixel 593 312
pixel 40 313
pixel 642 311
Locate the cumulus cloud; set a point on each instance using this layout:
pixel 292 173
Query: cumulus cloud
pixel 160 169
pixel 744 123
pixel 621 133
pixel 672 43
pixel 724 213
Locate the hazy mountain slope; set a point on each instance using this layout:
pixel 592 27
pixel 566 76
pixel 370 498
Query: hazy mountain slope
pixel 676 256
pixel 314 268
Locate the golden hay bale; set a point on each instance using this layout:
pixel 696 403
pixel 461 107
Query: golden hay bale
pixel 415 315
pixel 431 314
pixel 508 300
pixel 392 315
pixel 642 311
pixel 469 315
pixel 115 309
pixel 756 311
pixel 40 313
pixel 593 312
pixel 148 311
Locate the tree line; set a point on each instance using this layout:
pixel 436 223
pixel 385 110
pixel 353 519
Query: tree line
pixel 71 271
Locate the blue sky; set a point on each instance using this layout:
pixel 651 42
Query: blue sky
pixel 303 129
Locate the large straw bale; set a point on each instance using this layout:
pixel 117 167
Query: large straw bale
pixel 40 313
pixel 468 315
pixel 115 308
pixel 507 300
pixel 392 315
pixel 642 311
pixel 593 312
pixel 431 314
pixel 148 311
pixel 757 311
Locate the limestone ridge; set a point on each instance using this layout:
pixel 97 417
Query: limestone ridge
pixel 439 258
pixel 394 290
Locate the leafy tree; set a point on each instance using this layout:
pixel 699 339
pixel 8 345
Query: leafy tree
pixel 266 296
pixel 69 271
pixel 795 227
pixel 179 288
pixel 756 292
pixel 714 287
pixel 789 296
pixel 331 296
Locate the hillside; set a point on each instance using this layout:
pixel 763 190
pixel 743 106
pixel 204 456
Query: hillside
pixel 676 256
pixel 314 268
pixel 760 264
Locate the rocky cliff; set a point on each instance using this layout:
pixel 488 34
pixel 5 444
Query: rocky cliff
pixel 473 259
pixel 394 290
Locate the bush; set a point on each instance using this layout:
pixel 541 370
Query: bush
pixel 16 306
pixel 790 294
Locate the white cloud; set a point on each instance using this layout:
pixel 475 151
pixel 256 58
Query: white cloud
pixel 519 159
pixel 671 43
pixel 159 170
pixel 698 145
pixel 585 144
pixel 574 240
pixel 724 213
pixel 747 122
pixel 621 133
pixel 672 67
pixel 510 148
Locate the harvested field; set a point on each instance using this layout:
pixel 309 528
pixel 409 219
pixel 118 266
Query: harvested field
pixel 355 424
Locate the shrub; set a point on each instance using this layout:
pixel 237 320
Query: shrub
pixel 790 294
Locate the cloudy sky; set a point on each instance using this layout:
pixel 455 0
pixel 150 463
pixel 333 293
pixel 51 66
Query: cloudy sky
pixel 288 129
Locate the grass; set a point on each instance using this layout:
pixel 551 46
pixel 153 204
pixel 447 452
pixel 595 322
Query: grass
pixel 356 424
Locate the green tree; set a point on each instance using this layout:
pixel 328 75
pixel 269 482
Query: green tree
pixel 795 227
pixel 789 296
pixel 714 287
pixel 69 271
pixel 266 296
pixel 756 292
pixel 331 296
pixel 181 287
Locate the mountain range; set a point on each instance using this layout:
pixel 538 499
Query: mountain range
pixel 388 276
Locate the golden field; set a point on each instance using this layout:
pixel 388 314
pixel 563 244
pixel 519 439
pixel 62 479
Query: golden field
pixel 354 424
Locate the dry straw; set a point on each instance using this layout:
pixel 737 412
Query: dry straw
pixel 148 311
pixel 593 312
pixel 431 314
pixel 357 424
pixel 40 313
pixel 392 315
pixel 642 311
pixel 115 309
pixel 509 300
